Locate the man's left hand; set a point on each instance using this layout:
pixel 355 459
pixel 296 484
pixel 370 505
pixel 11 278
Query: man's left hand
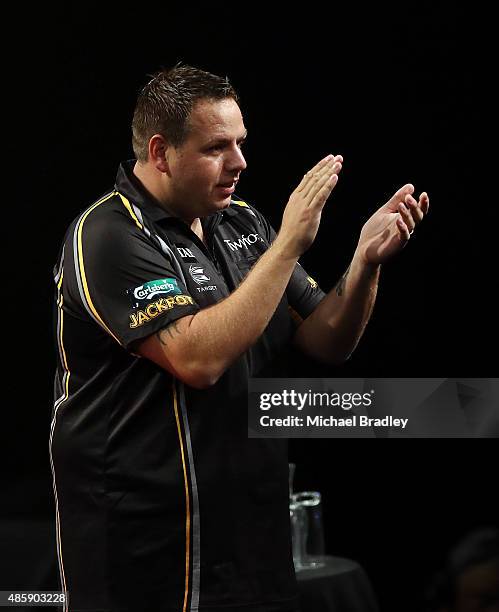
pixel 390 228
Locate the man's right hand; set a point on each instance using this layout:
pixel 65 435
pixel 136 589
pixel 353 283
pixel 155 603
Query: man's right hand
pixel 302 215
pixel 198 348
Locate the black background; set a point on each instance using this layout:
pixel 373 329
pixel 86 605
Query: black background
pixel 398 92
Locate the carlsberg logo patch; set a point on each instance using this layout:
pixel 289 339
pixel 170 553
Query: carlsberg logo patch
pixel 140 296
pixel 153 288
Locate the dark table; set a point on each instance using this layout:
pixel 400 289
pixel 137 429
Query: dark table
pixel 340 586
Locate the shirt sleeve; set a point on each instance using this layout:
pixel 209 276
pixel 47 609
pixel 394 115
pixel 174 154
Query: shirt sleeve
pixel 303 292
pixel 123 281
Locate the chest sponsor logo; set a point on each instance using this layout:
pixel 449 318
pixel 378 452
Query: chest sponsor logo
pixel 154 309
pixel 199 277
pixel 244 242
pixel 186 253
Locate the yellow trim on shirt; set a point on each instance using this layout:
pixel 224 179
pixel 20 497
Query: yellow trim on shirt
pixel 60 302
pixel 83 275
pixel 187 501
pixel 128 206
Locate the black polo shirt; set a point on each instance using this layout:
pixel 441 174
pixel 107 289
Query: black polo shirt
pixel 163 503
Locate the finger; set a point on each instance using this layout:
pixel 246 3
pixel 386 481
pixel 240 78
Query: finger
pixel 306 177
pixel 404 233
pixel 321 165
pixel 311 191
pixel 398 196
pixel 315 182
pixel 312 178
pixel 406 216
pixel 424 202
pixel 321 196
pixel 414 209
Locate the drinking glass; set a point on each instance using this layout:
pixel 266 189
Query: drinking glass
pixel 307 529
pixel 298 519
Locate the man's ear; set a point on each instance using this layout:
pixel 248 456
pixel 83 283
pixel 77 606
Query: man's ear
pixel 158 152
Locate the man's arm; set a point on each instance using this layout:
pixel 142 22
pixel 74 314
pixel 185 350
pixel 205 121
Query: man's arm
pixel 331 333
pixel 334 328
pixel 199 348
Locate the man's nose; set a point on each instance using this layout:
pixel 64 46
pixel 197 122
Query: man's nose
pixel 236 161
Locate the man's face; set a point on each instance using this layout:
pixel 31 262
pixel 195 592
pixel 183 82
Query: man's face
pixel 211 156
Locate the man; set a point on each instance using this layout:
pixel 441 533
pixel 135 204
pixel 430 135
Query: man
pixel 171 293
pixel 469 580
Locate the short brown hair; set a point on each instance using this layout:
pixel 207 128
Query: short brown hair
pixel 165 103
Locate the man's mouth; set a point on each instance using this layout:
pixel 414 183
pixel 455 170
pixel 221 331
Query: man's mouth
pixel 227 191
pixel 232 183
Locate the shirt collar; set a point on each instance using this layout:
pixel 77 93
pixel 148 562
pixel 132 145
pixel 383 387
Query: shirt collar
pixel 131 187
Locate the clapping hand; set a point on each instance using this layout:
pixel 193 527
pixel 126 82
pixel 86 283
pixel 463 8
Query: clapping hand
pixel 391 226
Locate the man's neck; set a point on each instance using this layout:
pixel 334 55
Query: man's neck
pixel 148 179
pixel 197 228
pixel 150 182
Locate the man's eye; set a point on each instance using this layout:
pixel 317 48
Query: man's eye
pixel 219 147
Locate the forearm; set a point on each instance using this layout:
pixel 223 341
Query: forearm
pixel 333 330
pixel 219 334
pixel 198 348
